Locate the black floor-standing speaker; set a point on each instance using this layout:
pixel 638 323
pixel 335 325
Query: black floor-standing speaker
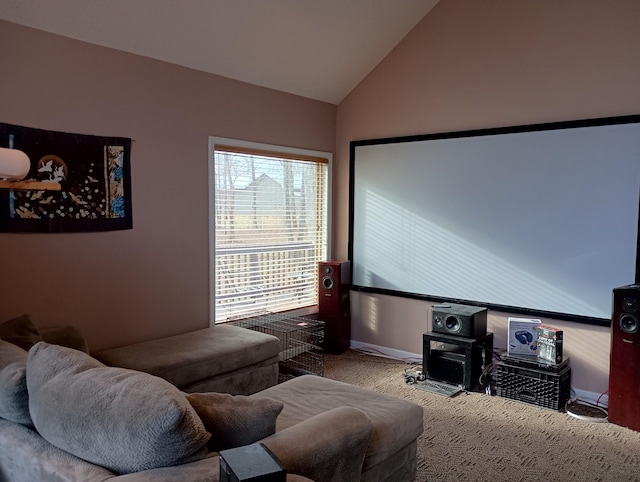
pixel 334 305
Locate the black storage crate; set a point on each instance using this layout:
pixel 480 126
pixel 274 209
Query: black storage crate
pixel 542 388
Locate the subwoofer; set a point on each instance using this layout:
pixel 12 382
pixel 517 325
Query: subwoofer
pixel 334 305
pixel 459 320
pixel 624 367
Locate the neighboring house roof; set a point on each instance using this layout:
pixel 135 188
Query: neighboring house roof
pixel 264 181
pixel 265 196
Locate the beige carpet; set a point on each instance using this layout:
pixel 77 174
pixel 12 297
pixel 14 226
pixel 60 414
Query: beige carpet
pixel 476 437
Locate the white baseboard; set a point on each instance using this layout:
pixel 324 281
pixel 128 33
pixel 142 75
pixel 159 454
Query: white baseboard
pixel 602 400
pixel 594 398
pixel 386 352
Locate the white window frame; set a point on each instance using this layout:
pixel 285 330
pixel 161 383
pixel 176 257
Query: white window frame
pixel 213 141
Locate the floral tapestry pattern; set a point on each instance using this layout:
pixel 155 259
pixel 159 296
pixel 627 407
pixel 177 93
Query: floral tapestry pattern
pixel 94 175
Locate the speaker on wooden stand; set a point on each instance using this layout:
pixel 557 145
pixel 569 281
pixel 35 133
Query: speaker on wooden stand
pixel 624 367
pixel 334 305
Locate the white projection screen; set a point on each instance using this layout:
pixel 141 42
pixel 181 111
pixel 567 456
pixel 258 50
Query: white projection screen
pixel 539 220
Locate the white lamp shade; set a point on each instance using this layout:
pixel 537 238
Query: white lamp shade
pixel 14 164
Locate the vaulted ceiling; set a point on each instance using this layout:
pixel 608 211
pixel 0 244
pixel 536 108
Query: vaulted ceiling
pixel 319 49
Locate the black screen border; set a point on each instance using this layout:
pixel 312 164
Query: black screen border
pixel 593 122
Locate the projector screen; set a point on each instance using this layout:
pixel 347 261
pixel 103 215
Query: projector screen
pixel 539 220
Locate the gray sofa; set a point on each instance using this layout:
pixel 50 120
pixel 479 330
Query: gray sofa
pixel 70 417
pixel 224 358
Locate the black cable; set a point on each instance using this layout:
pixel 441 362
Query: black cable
pixel 414 376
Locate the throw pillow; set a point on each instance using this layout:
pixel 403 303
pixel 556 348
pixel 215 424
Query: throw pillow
pixel 121 419
pixel 20 331
pixel 14 398
pixel 235 420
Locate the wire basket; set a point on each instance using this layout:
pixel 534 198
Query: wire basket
pixel 301 342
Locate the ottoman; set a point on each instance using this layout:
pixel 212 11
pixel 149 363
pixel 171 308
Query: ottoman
pixel 397 423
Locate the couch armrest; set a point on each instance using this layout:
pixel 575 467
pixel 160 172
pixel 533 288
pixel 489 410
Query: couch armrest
pixel 327 447
pixel 68 336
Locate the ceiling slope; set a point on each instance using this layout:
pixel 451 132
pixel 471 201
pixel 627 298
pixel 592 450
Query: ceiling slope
pixel 319 49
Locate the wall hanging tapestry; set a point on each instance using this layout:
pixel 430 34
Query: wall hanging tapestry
pixel 94 174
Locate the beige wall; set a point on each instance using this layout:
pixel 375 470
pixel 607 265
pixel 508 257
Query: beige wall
pixel 470 65
pixel 151 281
pixel 466 65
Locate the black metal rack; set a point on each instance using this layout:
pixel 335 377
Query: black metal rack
pixel 455 359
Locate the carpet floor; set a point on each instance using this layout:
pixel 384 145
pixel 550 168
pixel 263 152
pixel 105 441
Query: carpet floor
pixel 477 437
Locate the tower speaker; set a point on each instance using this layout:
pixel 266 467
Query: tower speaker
pixel 459 320
pixel 334 306
pixel 624 374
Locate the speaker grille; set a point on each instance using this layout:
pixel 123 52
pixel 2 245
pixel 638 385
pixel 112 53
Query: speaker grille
pixel 438 321
pixel 630 305
pixel 453 324
pixel 327 282
pixel 629 323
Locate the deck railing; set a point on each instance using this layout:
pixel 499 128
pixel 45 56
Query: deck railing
pixel 252 279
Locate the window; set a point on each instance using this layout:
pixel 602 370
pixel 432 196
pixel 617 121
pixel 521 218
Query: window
pixel 268 227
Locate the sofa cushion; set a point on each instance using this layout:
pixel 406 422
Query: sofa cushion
pixel 396 422
pixel 329 446
pixel 235 420
pixel 20 331
pixel 189 358
pixel 26 457
pixel 121 419
pixel 67 335
pixel 14 398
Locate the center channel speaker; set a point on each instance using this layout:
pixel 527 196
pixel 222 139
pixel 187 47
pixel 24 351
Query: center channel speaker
pixel 459 320
pixel 624 372
pixel 334 305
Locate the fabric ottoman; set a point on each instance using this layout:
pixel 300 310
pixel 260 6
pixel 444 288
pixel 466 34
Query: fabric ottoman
pixel 397 423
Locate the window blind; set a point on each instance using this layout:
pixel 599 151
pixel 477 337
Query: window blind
pixel 271 230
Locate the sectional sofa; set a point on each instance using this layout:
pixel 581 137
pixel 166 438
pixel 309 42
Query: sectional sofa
pixel 67 416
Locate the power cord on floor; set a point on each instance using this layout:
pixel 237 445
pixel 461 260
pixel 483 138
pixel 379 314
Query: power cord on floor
pixel 586 411
pixel 488 378
pixel 413 375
